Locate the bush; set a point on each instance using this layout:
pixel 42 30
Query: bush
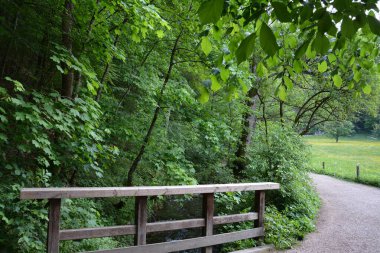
pixel 46 141
pixel 282 157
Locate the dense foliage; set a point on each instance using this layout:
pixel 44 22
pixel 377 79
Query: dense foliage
pixel 168 92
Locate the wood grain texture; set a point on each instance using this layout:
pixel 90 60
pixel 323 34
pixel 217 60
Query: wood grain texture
pixel 260 249
pixel 260 209
pixel 83 233
pixel 102 192
pixel 141 217
pixel 188 243
pixel 53 226
pixel 208 214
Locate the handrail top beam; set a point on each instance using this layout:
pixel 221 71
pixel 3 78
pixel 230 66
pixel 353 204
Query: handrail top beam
pixel 103 192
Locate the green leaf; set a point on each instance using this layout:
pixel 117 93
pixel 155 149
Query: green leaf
pixel 288 82
pixel 367 89
pixel 352 61
pixel 245 48
pixel 341 5
pixel 268 40
pixel 281 12
pixel 348 28
pixel 374 25
pixel 281 92
pixel 305 13
pixel 322 67
pixel 291 41
pixel 206 46
pixel 320 44
pixel 261 70
pixel 325 23
pixel 17 84
pixel 60 69
pixel 302 49
pixel 332 58
pixel 160 34
pixel 297 66
pixel 224 74
pixel 340 43
pixel 215 85
pixel 204 96
pixel 357 76
pixel 337 81
pixel 210 11
pixel 136 38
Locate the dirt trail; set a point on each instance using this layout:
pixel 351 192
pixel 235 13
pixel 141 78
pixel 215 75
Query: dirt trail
pixel 349 219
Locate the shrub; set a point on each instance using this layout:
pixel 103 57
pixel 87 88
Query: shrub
pixel 45 141
pixel 282 157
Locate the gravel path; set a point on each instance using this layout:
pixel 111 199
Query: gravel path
pixel 349 219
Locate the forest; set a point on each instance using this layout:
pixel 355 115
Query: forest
pixel 176 92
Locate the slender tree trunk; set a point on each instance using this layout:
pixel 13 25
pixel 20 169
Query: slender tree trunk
pixel 7 51
pixel 42 59
pixel 249 121
pixel 282 113
pixel 249 125
pixel 78 84
pixel 67 24
pixel 141 152
pixel 107 67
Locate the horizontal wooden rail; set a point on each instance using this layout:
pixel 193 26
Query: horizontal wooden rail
pixel 186 244
pixel 83 233
pixel 102 192
pixel 141 227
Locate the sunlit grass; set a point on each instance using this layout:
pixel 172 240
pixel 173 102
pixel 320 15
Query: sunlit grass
pixel 341 158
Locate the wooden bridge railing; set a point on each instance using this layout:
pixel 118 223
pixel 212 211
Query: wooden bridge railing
pixel 142 227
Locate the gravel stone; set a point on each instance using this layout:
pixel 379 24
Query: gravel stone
pixel 349 218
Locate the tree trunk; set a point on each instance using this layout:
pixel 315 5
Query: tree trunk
pixel 249 121
pixel 8 47
pixel 137 159
pixel 249 125
pixel 67 24
pixel 282 113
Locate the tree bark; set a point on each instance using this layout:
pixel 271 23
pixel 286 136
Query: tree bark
pixel 141 152
pixel 107 67
pixel 249 121
pixel 8 47
pixel 282 113
pixel 67 24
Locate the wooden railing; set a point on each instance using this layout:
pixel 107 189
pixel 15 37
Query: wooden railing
pixel 142 227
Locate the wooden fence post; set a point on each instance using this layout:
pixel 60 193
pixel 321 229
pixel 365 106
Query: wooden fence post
pixel 357 171
pixel 53 225
pixel 260 209
pixel 323 165
pixel 208 214
pixel 141 217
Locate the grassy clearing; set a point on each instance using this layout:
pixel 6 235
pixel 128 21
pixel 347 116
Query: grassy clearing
pixel 341 158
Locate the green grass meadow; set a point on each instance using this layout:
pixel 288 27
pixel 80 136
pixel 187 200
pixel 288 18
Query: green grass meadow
pixel 341 158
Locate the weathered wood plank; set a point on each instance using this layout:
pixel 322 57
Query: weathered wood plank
pixel 53 226
pixel 188 243
pixel 83 233
pixel 94 192
pixel 259 208
pixel 174 225
pixel 141 217
pixel 260 249
pixel 208 214
pixel 225 219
